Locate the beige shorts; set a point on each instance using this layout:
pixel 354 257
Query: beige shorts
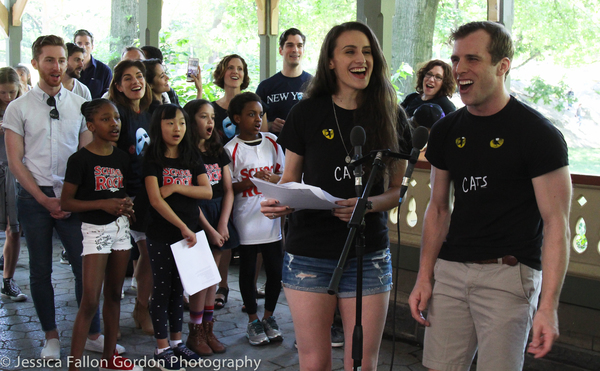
pixel 483 308
pixel 103 239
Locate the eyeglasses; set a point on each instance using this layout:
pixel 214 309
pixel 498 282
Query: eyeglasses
pixel 53 112
pixel 437 78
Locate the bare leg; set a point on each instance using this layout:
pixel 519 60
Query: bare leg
pixel 111 311
pixel 373 322
pixel 211 291
pixel 198 299
pixel 94 266
pixel 12 247
pixel 224 267
pixel 143 274
pixel 313 334
pixel 134 264
pixel 223 264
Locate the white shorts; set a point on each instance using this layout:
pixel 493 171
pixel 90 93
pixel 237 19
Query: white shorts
pixel 103 239
pixel 138 236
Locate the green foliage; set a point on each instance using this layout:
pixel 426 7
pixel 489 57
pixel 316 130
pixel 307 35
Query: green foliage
pixel 449 17
pixel 400 78
pixel 564 30
pixel 550 94
pixel 584 160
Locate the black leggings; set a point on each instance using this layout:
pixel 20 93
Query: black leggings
pixel 166 305
pixel 273 262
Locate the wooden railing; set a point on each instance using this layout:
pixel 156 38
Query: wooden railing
pixel 584 220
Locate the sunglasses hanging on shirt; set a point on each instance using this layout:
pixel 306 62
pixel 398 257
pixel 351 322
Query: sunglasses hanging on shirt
pixel 53 112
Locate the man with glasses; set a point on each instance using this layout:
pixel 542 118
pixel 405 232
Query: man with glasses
pixel 95 75
pixel 42 129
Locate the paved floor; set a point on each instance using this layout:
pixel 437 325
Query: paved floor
pixel 21 338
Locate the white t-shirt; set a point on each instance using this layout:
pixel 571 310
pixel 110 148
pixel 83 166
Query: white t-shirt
pixel 253 227
pixel 81 90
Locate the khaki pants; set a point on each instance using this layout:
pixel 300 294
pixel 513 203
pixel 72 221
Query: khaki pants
pixel 484 308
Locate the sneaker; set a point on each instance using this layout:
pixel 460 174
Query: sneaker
pixel 186 355
pixel 120 363
pixel 64 257
pixel 272 329
pixel 51 349
pixel 337 337
pixel 133 284
pixel 10 290
pixel 256 333
pixel 168 361
pixel 98 345
pixel 260 292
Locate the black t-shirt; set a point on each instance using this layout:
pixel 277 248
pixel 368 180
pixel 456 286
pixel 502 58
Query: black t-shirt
pixel 311 131
pixel 226 128
pixel 98 178
pixel 134 140
pixel 414 101
pixel 280 93
pixel 214 170
pixel 492 161
pixel 186 208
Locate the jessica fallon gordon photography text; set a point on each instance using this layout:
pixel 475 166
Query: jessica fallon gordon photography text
pixel 87 362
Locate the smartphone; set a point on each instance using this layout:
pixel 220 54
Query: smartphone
pixel 193 68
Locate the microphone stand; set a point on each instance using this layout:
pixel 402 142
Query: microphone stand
pixel 355 224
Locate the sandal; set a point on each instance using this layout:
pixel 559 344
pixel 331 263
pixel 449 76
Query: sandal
pixel 221 297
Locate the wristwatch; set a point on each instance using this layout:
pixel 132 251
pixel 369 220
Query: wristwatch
pixel 369 205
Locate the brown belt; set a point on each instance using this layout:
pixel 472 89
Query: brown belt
pixel 508 260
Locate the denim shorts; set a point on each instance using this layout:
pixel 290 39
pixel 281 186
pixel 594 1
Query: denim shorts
pixel 313 274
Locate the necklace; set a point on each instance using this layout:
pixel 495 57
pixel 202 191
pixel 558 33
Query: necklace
pixel 348 158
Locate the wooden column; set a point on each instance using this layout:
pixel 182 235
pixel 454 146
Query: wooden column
pixel 378 14
pixel 268 29
pixel 150 21
pixel 501 11
pixel 10 19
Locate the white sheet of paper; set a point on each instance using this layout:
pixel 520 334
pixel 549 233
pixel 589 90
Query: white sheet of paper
pixel 297 195
pixel 196 265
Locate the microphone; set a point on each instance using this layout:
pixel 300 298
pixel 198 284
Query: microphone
pixel 419 140
pixel 357 139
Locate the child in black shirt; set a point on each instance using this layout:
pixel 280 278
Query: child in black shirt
pixel 94 187
pixel 175 177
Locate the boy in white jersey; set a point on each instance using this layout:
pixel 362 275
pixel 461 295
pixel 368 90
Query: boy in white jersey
pixel 255 154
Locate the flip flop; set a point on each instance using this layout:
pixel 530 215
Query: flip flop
pixel 220 301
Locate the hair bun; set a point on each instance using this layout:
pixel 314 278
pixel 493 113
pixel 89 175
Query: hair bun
pixel 84 106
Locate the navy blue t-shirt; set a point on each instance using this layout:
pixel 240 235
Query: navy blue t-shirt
pixel 280 93
pixel 96 77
